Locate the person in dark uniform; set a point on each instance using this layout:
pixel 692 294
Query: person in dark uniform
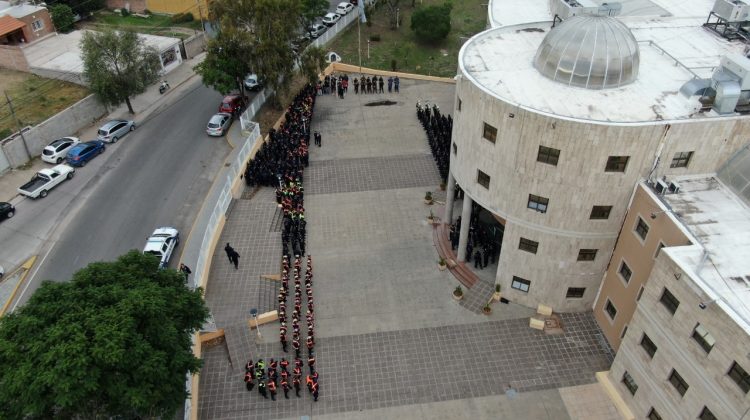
pixel 285 388
pixel 478 260
pixel 230 251
pixel 356 86
pixel 249 381
pixel 380 83
pixel 487 250
pixel 262 389
pixel 296 384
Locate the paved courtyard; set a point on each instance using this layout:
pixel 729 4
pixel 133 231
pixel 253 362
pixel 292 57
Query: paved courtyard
pixel 391 342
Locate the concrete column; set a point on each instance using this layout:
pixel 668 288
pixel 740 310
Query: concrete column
pixel 449 197
pixel 463 237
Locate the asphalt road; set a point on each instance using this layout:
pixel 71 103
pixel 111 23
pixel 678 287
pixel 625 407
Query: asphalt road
pixel 156 176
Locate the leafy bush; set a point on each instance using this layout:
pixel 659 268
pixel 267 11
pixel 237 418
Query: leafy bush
pixel 394 64
pixel 182 18
pixel 62 17
pixel 432 23
pixel 124 12
pixel 375 37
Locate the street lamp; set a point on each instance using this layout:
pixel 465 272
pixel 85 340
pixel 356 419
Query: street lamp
pixel 254 314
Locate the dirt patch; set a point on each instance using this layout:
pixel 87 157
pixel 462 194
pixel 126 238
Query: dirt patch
pixel 269 115
pixel 381 103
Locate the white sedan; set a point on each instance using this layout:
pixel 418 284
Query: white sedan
pixel 344 8
pixel 162 244
pixel 330 19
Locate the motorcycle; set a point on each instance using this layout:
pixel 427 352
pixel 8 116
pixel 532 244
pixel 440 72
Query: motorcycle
pixel 163 87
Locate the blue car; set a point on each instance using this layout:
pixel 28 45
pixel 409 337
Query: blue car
pixel 84 152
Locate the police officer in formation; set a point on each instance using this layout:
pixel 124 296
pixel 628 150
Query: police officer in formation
pixel 438 128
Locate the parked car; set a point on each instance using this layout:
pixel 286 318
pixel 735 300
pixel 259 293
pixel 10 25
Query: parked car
pixel 113 130
pixel 232 104
pixel 330 19
pixel 81 153
pixel 219 124
pixel 316 29
pixel 162 244
pixel 56 151
pixel 344 8
pixel 252 82
pixel 45 180
pixel 6 210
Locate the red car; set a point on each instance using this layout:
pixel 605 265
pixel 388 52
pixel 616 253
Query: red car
pixel 232 104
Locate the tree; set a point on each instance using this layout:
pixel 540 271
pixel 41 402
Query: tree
pixel 113 342
pixel 259 35
pixel 432 23
pixel 117 65
pixel 62 17
pixel 313 9
pixel 84 7
pixel 312 62
pixel 392 12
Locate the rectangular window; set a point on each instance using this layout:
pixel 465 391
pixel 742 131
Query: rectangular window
pixel 459 104
pixel 548 155
pixel 653 414
pixel 575 292
pixel 629 383
pixel 706 414
pixel 740 376
pixel 616 163
pixel 704 338
pixel 489 132
pixel 625 272
pixel 600 212
pixel 624 331
pixel 455 149
pixel 669 301
pixel 528 245
pixel 483 179
pixel 640 293
pixel 520 284
pixel 678 383
pixel 538 203
pixel 37 25
pixel 611 310
pixel 587 254
pixel 648 346
pixel 658 249
pixel 641 229
pixel 681 160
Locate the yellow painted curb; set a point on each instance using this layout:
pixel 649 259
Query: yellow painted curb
pixel 26 266
pixel 614 396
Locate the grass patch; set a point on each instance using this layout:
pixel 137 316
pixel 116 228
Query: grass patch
pixel 34 98
pixel 468 18
pixel 154 25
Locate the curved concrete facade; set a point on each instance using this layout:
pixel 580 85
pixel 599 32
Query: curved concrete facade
pixel 573 186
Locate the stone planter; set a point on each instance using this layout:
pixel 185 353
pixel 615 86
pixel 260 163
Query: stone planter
pixel 496 296
pixel 458 296
pixel 442 267
pixel 487 310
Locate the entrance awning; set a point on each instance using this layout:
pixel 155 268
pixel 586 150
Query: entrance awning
pixel 9 24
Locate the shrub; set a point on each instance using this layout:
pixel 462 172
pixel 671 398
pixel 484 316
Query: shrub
pixel 375 37
pixel 62 17
pixel 394 64
pixel 432 23
pixel 124 12
pixel 182 18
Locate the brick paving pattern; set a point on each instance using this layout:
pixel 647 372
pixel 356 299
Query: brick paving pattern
pixel 476 297
pixel 361 372
pixel 369 174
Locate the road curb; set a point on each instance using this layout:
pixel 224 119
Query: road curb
pixel 26 267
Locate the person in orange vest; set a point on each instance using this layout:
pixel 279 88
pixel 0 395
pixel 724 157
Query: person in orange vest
pixel 315 390
pixel 309 382
pixel 311 363
pixel 272 389
pixel 295 382
pixel 284 363
pixel 295 345
pixel 310 345
pixel 285 388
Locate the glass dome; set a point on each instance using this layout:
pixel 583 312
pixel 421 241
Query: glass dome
pixel 593 52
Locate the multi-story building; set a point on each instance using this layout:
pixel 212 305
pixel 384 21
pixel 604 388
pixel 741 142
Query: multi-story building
pixel 554 126
pixel 686 352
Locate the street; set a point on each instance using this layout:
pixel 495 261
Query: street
pixel 156 176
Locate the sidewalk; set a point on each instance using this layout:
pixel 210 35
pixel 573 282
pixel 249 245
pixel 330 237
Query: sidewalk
pixel 144 105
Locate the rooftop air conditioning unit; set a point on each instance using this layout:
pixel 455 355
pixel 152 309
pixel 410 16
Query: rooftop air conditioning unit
pixel 661 187
pixel 732 10
pixel 674 187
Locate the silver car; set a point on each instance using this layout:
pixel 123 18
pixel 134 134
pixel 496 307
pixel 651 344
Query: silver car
pixel 219 124
pixel 113 130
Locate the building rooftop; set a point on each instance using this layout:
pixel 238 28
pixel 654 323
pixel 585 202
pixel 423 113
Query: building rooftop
pixel 719 221
pixel 18 11
pixel 674 49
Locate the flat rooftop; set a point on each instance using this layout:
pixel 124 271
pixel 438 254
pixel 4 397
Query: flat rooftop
pixel 674 48
pixel 720 221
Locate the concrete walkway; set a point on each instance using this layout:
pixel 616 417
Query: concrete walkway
pixel 391 341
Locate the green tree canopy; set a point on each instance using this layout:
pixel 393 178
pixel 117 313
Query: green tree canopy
pixel 84 7
pixel 432 23
pixel 313 9
pixel 113 342
pixel 117 65
pixel 257 36
pixel 62 17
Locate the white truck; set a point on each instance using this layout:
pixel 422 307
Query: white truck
pixel 45 180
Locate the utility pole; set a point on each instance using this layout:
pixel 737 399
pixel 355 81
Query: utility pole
pixel 18 124
pixel 203 24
